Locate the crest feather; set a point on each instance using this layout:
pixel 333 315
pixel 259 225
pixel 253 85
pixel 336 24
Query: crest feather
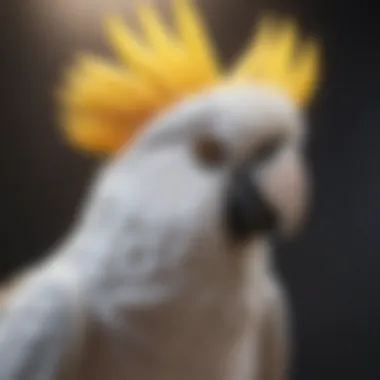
pixel 105 104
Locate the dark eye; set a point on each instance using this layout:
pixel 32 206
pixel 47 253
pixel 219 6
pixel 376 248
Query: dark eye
pixel 268 149
pixel 209 151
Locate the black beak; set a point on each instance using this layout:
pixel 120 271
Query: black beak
pixel 247 211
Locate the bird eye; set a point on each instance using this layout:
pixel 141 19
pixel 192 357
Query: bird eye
pixel 209 151
pixel 268 149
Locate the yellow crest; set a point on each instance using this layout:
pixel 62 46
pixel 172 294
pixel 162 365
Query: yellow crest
pixel 104 104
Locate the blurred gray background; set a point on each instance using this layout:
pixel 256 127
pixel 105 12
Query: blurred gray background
pixel 331 271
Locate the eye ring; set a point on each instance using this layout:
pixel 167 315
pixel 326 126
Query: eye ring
pixel 210 152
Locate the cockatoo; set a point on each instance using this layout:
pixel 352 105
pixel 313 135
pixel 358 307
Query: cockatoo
pixel 166 273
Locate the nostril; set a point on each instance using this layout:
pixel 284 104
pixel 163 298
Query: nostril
pixel 246 210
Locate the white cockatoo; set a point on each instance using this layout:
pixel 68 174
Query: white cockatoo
pixel 166 273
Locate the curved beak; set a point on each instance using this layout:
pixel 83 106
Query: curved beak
pixel 247 212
